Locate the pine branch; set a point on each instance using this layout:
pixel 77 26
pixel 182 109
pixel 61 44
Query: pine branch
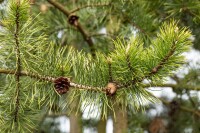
pixel 163 61
pixel 86 6
pixel 86 37
pixel 51 79
pixel 18 61
pixel 29 74
pixel 79 86
pixel 129 63
pixel 153 70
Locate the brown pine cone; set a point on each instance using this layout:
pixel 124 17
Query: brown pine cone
pixel 73 20
pixel 61 85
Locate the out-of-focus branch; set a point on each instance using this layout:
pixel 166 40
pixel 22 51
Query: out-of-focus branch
pixel 195 112
pixel 174 86
pixel 57 30
pixel 140 29
pixel 86 6
pixel 79 27
pixel 103 34
pixel 1 24
pixel 56 115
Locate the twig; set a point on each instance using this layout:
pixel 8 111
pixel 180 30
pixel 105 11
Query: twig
pixel 129 63
pixel 163 61
pixel 103 34
pixel 50 79
pixel 29 74
pixel 175 78
pixel 85 87
pixel 138 27
pixel 109 61
pixel 18 61
pixel 191 100
pixel 79 86
pixel 1 24
pixel 86 37
pixel 86 6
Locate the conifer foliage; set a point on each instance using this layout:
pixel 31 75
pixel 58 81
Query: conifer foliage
pixel 39 75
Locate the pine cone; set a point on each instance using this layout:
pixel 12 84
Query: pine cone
pixel 73 20
pixel 62 85
pixel 174 106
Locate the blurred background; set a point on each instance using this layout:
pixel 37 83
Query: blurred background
pixel 102 21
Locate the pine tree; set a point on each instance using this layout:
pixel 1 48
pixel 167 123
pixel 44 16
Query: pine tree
pixel 45 74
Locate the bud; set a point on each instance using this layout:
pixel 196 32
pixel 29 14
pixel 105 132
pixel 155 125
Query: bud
pixel 43 8
pixel 111 88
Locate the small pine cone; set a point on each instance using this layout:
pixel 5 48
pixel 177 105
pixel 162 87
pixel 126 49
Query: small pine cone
pixel 111 89
pixel 61 85
pixel 73 20
pixel 174 106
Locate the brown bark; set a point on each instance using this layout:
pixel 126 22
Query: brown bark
pixel 101 127
pixel 75 123
pixel 157 126
pixel 75 119
pixel 32 1
pixel 120 121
